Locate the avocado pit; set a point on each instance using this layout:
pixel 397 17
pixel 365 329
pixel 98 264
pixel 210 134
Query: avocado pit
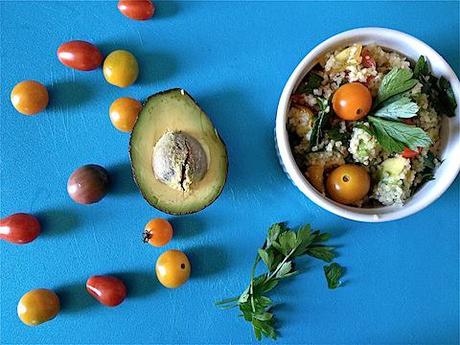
pixel 179 160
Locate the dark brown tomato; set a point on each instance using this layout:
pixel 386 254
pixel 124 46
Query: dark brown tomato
pixel 108 290
pixel 137 9
pixel 88 184
pixel 80 55
pixel 19 228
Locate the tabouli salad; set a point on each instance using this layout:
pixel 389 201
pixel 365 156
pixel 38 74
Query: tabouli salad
pixel 365 124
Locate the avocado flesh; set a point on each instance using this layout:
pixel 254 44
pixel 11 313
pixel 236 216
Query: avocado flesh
pixel 178 160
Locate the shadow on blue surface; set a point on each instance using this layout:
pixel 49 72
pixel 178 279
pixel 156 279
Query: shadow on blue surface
pixel 57 221
pixel 188 226
pixel 138 283
pixel 121 179
pixel 166 9
pixel 221 106
pixel 74 298
pixel 154 66
pixel 207 260
pixel 70 94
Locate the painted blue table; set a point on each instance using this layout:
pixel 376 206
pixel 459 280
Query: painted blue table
pixel 402 280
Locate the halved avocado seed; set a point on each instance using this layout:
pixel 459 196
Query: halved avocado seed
pixel 179 160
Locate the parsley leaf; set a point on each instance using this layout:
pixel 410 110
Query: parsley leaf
pixel 403 108
pixel 333 274
pixel 313 81
pixel 279 251
pixel 365 128
pixel 321 252
pixel 421 67
pixel 336 135
pixel 395 82
pixel 394 136
pixel 320 122
pixel 427 173
pixel 447 103
pixel 439 90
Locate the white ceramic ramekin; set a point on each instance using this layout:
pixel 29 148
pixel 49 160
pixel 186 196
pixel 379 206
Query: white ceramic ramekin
pixel 450 136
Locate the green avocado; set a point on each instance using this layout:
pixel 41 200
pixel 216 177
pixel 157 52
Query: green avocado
pixel 178 160
pixel 393 166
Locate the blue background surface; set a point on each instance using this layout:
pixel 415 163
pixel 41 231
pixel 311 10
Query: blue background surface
pixel 402 280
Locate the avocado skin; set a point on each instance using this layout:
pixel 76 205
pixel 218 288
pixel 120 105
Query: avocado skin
pixel 134 172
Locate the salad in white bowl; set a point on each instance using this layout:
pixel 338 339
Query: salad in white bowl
pixel 366 120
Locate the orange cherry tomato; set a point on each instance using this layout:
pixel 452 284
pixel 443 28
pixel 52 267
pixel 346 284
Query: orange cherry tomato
pixel 315 175
pixel 29 97
pixel 123 113
pixel 408 153
pixel 137 9
pixel 352 101
pixel 348 184
pixel 80 55
pixel 158 232
pixel 172 268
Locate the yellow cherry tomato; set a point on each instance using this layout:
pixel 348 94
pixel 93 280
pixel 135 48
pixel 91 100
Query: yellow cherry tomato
pixel 120 68
pixel 172 268
pixel 123 113
pixel 352 101
pixel 158 232
pixel 29 97
pixel 38 306
pixel 348 184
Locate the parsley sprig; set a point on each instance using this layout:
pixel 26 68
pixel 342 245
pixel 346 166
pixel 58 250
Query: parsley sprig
pixel 390 106
pixel 317 132
pixel 438 90
pixel 281 247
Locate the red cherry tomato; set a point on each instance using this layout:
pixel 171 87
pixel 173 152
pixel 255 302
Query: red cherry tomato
pixel 137 9
pixel 19 228
pixel 80 55
pixel 408 153
pixel 367 59
pixel 108 290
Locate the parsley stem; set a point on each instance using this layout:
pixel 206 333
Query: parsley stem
pixel 227 300
pixel 281 264
pixel 251 287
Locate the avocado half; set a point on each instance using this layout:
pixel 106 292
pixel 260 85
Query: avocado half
pixel 178 160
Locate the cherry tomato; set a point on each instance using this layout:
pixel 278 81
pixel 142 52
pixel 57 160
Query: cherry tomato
pixel 352 101
pixel 80 55
pixel 409 121
pixel 29 97
pixel 123 113
pixel 38 306
pixel 88 184
pixel 19 228
pixel 108 290
pixel 348 184
pixel 120 68
pixel 158 232
pixel 367 59
pixel 315 175
pixel 137 9
pixel 408 153
pixel 172 268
